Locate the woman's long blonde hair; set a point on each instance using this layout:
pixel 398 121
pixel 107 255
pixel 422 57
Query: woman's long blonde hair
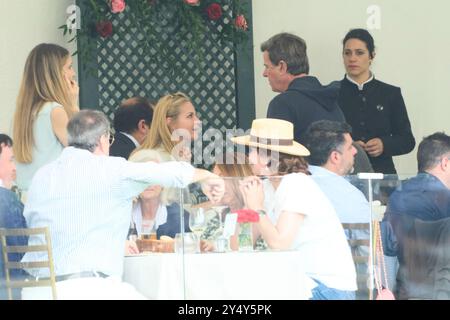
pixel 159 134
pixel 42 82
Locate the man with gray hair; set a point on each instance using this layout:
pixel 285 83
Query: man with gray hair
pixel 302 99
pixel 85 198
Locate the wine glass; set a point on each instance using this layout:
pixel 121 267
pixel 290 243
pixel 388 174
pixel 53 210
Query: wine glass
pixel 197 223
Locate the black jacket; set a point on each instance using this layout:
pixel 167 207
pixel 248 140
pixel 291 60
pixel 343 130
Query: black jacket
pixel 122 146
pixel 378 111
pixel 304 102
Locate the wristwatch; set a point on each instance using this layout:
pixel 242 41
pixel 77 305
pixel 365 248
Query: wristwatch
pixel 261 212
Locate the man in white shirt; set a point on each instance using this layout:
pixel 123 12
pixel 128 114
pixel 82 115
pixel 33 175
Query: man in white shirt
pixel 85 198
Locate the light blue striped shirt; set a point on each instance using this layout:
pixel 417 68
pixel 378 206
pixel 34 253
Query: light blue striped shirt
pixel 86 201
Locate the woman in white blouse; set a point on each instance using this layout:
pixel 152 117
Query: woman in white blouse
pixel 305 219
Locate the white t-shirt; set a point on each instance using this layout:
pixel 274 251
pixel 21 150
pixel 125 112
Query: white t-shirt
pixel 321 240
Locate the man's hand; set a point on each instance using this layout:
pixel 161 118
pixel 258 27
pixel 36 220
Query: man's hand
pixel 362 144
pixel 374 147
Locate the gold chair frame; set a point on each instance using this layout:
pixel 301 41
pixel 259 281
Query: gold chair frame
pixel 8 265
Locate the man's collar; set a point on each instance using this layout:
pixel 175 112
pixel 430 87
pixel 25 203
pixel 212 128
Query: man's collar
pixel 360 86
pixel 136 143
pixel 317 170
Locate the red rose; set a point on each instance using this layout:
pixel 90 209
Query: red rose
pixel 247 215
pixel 240 22
pixel 104 28
pixel 214 11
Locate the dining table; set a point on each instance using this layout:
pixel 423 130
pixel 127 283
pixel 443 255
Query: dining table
pixel 243 275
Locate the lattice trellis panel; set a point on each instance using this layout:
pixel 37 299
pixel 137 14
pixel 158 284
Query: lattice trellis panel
pixel 124 70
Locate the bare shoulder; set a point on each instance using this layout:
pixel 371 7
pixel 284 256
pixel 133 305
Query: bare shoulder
pixel 59 115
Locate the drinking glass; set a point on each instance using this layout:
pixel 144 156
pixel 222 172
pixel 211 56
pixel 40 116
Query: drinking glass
pixel 148 229
pixel 190 243
pixel 197 223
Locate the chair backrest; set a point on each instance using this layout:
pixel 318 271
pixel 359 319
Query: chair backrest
pixel 358 237
pixel 9 265
pixel 424 257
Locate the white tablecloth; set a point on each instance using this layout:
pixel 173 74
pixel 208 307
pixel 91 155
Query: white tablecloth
pixel 233 275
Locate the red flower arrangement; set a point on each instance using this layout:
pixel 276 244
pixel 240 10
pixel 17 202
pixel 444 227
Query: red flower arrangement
pixel 247 215
pixel 214 11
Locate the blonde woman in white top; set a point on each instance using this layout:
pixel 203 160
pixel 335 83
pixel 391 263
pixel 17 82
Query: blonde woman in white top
pixel 175 124
pixel 47 98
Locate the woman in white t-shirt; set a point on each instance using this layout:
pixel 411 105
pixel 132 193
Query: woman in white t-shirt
pixel 305 219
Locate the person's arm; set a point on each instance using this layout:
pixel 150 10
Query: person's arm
pixel 59 121
pixel 74 90
pixel 283 234
pixel 14 219
pixel 280 236
pixel 402 140
pixel 175 174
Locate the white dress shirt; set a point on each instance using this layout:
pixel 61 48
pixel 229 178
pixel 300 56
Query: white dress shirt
pixel 86 200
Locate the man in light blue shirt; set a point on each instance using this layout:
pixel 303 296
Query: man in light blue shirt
pixel 85 198
pixel 332 157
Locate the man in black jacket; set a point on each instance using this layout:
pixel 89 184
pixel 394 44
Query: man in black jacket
pixel 302 99
pixel 132 122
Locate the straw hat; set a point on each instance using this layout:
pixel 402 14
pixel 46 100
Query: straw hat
pixel 273 134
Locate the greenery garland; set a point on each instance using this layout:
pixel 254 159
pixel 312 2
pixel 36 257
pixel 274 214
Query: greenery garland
pixel 186 21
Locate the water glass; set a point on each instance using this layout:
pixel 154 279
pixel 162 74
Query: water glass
pixel 190 243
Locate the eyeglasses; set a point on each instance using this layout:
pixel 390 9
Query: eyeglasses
pixel 111 139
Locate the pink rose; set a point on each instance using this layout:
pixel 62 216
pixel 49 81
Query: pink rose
pixel 214 11
pixel 240 22
pixel 117 6
pixel 192 2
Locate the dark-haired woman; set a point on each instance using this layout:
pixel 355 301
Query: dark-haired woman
pixel 304 218
pixel 375 110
